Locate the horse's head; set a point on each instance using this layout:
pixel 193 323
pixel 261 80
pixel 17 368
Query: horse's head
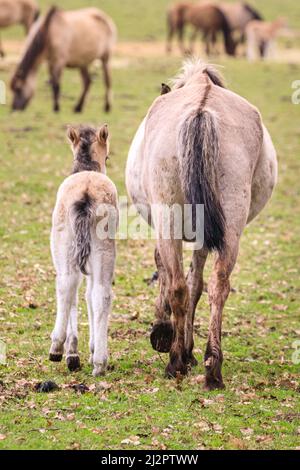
pixel 23 90
pixel 90 147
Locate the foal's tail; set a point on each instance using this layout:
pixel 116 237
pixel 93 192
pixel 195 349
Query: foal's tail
pixel 199 154
pixel 82 221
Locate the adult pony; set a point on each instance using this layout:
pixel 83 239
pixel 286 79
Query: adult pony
pixel 199 144
pixel 12 12
pixel 205 18
pixel 65 39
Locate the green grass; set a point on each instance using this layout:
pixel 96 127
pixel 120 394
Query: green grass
pixel 260 406
pixel 146 20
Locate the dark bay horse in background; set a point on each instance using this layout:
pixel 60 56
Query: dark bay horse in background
pixel 71 39
pixel 199 144
pixel 237 16
pixel 12 12
pixel 206 18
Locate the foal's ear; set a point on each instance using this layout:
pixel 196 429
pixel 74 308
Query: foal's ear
pixel 103 134
pixel 165 89
pixel 73 135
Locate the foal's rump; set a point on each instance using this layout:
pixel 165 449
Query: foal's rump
pixel 86 209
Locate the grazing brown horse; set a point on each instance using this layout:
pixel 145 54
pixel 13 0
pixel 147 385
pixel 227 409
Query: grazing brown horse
pixel 200 144
pixel 71 39
pixel 12 12
pixel 205 18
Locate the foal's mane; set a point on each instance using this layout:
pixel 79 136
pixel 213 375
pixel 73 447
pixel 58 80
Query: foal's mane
pixel 83 160
pixel 191 67
pixel 35 46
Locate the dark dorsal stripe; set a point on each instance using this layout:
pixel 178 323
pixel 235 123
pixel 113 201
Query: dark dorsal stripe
pixel 36 47
pixel 253 12
pixel 83 160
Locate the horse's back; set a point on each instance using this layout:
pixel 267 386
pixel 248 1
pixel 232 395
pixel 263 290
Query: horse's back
pixel 68 29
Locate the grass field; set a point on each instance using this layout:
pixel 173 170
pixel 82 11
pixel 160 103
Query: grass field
pixel 134 406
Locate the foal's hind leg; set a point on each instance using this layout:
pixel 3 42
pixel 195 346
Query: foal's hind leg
pixel 71 345
pixel 102 263
pixel 86 78
pixel 162 332
pixel 218 291
pixel 195 285
pixel 89 302
pixel 66 290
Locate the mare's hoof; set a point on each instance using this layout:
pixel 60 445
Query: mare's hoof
pixel 192 360
pixel 73 363
pixel 107 108
pixel 213 379
pixel 175 369
pixel 161 336
pixel 55 357
pixel 212 383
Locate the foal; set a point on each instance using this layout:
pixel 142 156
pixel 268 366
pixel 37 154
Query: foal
pixel 85 200
pixel 261 36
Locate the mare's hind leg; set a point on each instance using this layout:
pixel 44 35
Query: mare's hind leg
pixel 195 285
pixel 178 294
pixel 86 79
pixel 218 291
pixel 107 82
pixel 162 332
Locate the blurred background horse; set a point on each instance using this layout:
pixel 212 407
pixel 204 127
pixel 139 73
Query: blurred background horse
pixel 12 12
pixel 58 38
pixel 228 18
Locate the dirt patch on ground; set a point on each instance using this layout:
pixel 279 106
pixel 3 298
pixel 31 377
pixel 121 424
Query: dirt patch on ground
pixel 126 52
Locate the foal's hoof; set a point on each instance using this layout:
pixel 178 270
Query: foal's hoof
pixel 73 363
pixel 55 357
pixel 78 109
pixel 107 108
pixel 161 336
pixel 99 371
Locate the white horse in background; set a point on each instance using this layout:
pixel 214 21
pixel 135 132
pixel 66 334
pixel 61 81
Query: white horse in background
pixel 261 38
pixel 78 250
